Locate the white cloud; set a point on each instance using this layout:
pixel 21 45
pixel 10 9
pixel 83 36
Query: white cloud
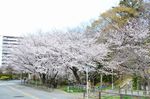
pixel 24 16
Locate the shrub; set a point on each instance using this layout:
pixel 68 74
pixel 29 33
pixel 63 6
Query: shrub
pixel 4 78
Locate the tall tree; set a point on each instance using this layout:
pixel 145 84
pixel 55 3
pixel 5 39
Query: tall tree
pixel 117 16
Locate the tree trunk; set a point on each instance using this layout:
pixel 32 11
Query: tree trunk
pixel 53 81
pixel 75 72
pixel 43 78
pixel 144 86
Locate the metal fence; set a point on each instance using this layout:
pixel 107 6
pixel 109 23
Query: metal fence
pixel 96 93
pixel 118 94
pixel 111 95
pixel 37 84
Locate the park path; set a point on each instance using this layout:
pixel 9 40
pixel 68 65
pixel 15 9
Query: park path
pixel 13 90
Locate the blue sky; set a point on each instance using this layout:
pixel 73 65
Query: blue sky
pixel 19 17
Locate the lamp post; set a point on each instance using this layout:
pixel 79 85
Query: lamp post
pixel 68 79
pixel 87 84
pixel 87 78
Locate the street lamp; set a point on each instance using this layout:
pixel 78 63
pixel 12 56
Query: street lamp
pixel 101 80
pixel 87 87
pixel 87 79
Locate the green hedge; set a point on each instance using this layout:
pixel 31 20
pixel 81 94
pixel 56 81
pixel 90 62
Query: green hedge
pixel 5 78
pixel 8 76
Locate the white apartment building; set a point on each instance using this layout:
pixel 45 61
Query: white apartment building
pixel 7 43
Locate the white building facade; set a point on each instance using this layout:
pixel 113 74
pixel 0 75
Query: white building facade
pixel 7 44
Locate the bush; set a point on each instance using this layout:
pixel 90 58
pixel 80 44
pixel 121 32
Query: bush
pixel 135 81
pixel 5 78
pixel 15 76
pixel 10 76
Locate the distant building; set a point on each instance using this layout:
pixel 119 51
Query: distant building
pixel 7 44
pixel 1 50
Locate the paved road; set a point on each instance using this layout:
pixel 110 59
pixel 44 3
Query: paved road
pixel 12 90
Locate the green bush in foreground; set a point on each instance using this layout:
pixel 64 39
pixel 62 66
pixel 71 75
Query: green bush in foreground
pixel 5 78
pixel 9 76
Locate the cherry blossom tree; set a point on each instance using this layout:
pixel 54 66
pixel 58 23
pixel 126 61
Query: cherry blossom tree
pixel 47 54
pixel 130 47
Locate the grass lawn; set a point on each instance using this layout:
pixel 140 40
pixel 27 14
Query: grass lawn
pixel 125 97
pixel 72 89
pixel 110 97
